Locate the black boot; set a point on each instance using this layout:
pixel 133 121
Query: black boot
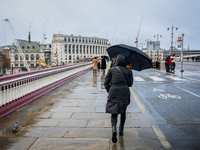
pixel 121 130
pixel 114 134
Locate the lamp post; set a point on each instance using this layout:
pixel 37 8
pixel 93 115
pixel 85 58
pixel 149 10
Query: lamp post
pixel 176 28
pixel 157 36
pixel 182 57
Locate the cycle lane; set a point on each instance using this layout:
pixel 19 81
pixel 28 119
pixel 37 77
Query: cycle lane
pixel 172 108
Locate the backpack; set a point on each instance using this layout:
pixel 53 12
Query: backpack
pixel 167 58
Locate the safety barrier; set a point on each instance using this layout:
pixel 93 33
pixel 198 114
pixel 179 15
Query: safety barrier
pixel 19 89
pixel 156 64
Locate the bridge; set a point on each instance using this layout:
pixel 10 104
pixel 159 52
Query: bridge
pixel 19 89
pixel 188 55
pixel 64 108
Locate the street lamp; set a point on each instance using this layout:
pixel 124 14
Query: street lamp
pixel 182 57
pixel 157 36
pixel 176 28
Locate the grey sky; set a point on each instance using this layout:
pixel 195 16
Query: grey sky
pixel 117 20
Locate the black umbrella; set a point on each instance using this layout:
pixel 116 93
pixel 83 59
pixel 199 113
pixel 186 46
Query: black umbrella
pixel 104 56
pixel 138 59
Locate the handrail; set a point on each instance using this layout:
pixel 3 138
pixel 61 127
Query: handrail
pixel 19 89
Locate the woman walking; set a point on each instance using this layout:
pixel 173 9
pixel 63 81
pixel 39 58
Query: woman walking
pixel 117 83
pixel 103 64
pixel 95 65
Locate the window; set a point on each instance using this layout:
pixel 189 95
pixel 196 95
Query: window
pixel 27 57
pixel 80 49
pixel 76 40
pixel 16 57
pixel 72 39
pixel 33 47
pixel 73 47
pixel 83 40
pixel 79 40
pixel 65 39
pixel 70 57
pixel 76 49
pixel 68 39
pixel 22 47
pixel 69 49
pixel 83 49
pixel 37 57
pixel 32 57
pixel 27 47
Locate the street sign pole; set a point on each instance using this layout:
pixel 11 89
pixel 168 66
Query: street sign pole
pixel 182 57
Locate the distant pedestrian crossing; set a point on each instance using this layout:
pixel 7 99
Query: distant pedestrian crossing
pixel 156 78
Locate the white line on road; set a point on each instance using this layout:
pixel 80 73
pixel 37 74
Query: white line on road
pixel 161 137
pixel 189 92
pixel 143 109
pixel 138 79
pixel 155 78
pixel 174 78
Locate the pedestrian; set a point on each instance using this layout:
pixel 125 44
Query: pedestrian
pixel 95 65
pixel 167 63
pixel 103 64
pixel 173 64
pixel 117 83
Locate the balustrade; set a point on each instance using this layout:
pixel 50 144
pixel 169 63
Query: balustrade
pixel 16 87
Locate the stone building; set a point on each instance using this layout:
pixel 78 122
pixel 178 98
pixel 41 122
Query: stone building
pixel 74 49
pixel 31 50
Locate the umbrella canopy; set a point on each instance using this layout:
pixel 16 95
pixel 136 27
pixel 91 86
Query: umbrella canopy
pixel 138 59
pixel 104 56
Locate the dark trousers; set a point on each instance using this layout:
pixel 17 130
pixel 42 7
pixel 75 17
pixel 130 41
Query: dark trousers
pixel 173 65
pixel 114 119
pixel 167 67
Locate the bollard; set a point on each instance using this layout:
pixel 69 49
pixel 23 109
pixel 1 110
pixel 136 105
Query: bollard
pixel 154 64
pixel 157 64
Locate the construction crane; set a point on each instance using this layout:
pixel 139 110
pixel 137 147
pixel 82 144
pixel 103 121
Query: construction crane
pixel 44 31
pixel 42 62
pixel 14 33
pixel 136 41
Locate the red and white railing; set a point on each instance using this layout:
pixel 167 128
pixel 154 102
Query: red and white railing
pixel 19 89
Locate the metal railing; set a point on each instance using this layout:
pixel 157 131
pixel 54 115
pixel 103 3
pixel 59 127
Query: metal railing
pixel 23 85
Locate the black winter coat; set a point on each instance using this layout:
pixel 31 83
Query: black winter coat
pixel 118 87
pixel 103 63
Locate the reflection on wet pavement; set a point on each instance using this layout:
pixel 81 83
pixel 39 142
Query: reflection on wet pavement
pixel 73 116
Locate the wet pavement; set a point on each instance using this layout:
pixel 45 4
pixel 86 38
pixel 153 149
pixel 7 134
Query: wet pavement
pixel 73 117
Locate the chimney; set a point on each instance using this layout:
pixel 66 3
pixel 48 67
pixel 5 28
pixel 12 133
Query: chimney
pixel 29 38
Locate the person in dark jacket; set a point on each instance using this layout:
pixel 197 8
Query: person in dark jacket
pixel 103 64
pixel 117 83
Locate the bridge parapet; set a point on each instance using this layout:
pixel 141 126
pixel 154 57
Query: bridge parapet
pixel 19 89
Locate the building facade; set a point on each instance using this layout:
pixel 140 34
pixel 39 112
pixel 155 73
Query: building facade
pixel 47 53
pixel 32 51
pixel 155 55
pixel 66 49
pixel 153 45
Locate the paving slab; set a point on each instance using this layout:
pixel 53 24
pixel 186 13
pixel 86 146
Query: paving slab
pixel 44 132
pixel 73 117
pixel 21 143
pixel 71 144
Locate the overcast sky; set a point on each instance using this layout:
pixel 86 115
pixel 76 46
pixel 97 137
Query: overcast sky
pixel 117 20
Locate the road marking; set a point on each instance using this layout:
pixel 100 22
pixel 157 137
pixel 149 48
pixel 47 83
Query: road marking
pixel 143 109
pixel 189 92
pixel 138 79
pixel 174 78
pixel 161 137
pixel 157 90
pixel 155 78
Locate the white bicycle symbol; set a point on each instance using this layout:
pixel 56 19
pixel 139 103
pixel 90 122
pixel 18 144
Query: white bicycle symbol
pixel 165 96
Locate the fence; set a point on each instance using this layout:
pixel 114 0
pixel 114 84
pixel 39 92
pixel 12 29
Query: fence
pixel 19 89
